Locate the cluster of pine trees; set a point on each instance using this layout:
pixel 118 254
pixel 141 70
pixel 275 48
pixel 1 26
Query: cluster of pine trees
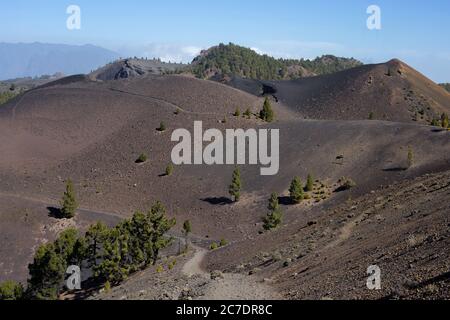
pixel 110 254
pixel 235 60
pixel 297 191
pixel 266 113
pixel 274 217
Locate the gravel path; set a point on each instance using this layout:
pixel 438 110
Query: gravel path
pixel 227 286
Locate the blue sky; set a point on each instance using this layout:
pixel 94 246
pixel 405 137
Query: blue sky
pixel 414 31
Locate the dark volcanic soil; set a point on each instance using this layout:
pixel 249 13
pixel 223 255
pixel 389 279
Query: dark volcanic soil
pixel 92 132
pixel 403 228
pixel 390 91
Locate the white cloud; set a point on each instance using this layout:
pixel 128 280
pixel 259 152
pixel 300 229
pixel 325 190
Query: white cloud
pixel 165 51
pixel 297 49
pixel 258 51
pixel 280 49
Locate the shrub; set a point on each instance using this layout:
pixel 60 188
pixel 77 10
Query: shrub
pixel 214 246
pixel 346 184
pixel 172 264
pixel 142 158
pixel 169 170
pixel 162 127
pixel 237 113
pixel 107 286
pixel 223 243
pixel 248 113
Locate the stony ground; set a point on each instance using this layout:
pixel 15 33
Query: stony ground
pixel 188 281
pixel 92 132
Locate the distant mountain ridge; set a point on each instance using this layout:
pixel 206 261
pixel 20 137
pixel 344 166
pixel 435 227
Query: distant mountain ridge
pixel 20 60
pixel 234 60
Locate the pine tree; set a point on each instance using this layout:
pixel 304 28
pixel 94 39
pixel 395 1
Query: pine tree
pixel 46 273
pixel 10 290
pixel 160 225
pixel 236 185
pixel 274 203
pixel 95 238
pixel 267 113
pixel 274 218
pixel 296 191
pixel 309 183
pixel 444 121
pixel 79 253
pixel 248 113
pixel 140 238
pixel 50 263
pixel 112 267
pixel 65 244
pixel 69 204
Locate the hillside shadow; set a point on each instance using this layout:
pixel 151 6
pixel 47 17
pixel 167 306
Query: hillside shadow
pixel 218 201
pixel 89 288
pixel 395 169
pixel 285 201
pixel 54 212
pixel 341 189
pixel 444 277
